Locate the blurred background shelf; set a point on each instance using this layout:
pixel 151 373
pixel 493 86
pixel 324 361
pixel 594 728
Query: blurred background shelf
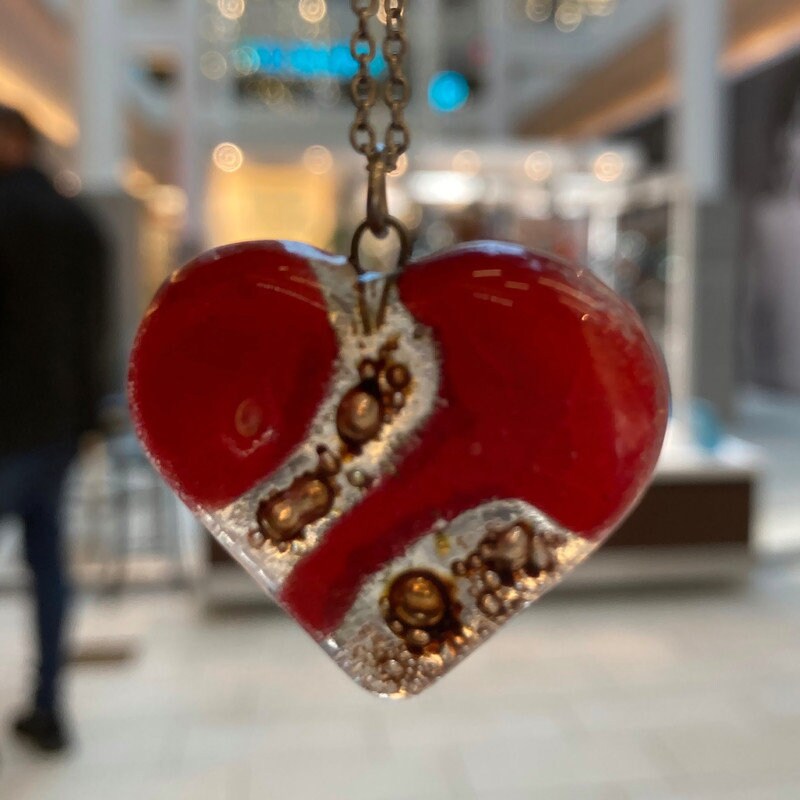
pixel 655 142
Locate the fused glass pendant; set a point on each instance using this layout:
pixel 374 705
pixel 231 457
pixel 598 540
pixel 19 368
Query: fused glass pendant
pixel 403 488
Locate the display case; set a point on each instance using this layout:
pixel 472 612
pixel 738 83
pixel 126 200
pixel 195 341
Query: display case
pixel 595 205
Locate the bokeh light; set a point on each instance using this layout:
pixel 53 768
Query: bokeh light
pixel 137 182
pixel 609 166
pixel 68 183
pixel 213 65
pixel 168 200
pixel 539 166
pixel 467 161
pixel 231 9
pixel 448 92
pixel 539 10
pixel 313 11
pixel 569 16
pixel 318 160
pixel 245 60
pixel 228 157
pixel 600 8
pixel 401 168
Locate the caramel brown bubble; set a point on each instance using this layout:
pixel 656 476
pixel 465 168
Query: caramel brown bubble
pixel 283 517
pixel 359 417
pixel 329 464
pixel 417 600
pixel 398 376
pixel 368 370
pixel 421 610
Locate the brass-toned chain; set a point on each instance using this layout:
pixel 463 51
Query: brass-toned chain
pixel 382 157
pixel 397 92
pixel 364 89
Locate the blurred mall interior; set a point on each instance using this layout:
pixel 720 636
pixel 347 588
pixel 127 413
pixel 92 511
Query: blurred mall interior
pixel 656 142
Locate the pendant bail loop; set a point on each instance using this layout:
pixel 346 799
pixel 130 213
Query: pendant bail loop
pixel 390 224
pixel 372 318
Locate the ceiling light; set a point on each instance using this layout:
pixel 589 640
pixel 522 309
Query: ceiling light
pixel 213 65
pixel 539 10
pixel 467 161
pixel 539 166
pixel 318 160
pixel 228 157
pixel 608 167
pixel 231 9
pixel 401 168
pixel 569 16
pixel 312 11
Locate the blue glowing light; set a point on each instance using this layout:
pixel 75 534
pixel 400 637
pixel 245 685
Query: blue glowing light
pixel 448 92
pixel 306 60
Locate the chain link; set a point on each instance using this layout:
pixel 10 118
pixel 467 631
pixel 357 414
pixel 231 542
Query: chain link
pixel 382 157
pixel 364 88
pixel 397 92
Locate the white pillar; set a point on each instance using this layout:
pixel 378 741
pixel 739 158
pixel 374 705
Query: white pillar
pixel 191 152
pixel 703 277
pixel 680 338
pixel 101 64
pixel 699 135
pixel 425 20
pixel 497 37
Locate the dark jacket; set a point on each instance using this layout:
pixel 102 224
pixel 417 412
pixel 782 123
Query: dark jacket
pixel 52 275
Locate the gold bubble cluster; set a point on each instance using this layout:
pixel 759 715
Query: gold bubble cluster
pixel 504 565
pixel 381 393
pixel 420 606
pixel 283 517
pixel 388 667
pixel 374 402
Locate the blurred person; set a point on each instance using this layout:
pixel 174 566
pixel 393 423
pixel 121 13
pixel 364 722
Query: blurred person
pixel 52 264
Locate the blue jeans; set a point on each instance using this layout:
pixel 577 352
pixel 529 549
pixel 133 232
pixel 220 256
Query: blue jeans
pixel 31 485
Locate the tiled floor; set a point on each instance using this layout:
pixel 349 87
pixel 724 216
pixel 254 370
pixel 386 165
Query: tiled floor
pixel 686 695
pixel 771 420
pixel 639 696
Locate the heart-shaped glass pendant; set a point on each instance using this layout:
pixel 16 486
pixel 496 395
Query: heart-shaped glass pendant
pixel 402 489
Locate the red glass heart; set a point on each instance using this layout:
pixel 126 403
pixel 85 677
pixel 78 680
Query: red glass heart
pixel 529 424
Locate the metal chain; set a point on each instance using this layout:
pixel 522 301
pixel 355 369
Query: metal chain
pixel 382 157
pixel 397 92
pixel 364 89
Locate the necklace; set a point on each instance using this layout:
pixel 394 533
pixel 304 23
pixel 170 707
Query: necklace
pixel 403 461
